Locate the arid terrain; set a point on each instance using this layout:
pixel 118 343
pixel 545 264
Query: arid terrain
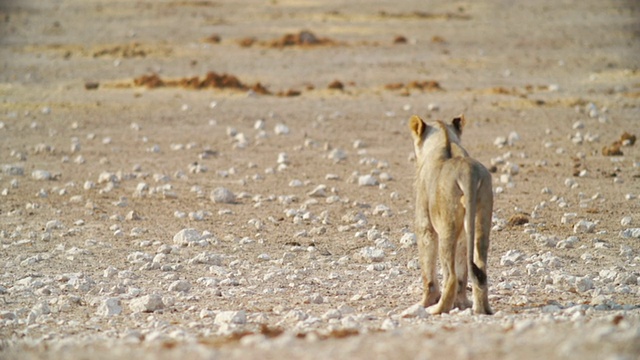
pixel 234 179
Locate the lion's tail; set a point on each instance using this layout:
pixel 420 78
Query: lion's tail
pixel 478 276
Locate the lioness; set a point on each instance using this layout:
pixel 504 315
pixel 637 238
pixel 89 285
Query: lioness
pixel 453 193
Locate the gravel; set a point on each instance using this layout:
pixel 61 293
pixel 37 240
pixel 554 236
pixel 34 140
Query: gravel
pixel 124 234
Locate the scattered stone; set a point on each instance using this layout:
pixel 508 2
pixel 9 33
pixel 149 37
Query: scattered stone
pixel 318 191
pixel 110 307
pixel 415 311
pixel 513 138
pixel 630 233
pixel 139 257
pixel 500 142
pixel 315 299
pixel 281 129
pixel 187 237
pixel 511 258
pixel 231 317
pixel 367 180
pixel 41 175
pixel 568 243
pixel 147 303
pixel 133 216
pixel 207 258
pixel 382 210
pixel 337 155
pixel 180 285
pixel 13 170
pixel 568 217
pixel 53 225
pixel 371 254
pixel 408 240
pixel 223 196
pixel 584 227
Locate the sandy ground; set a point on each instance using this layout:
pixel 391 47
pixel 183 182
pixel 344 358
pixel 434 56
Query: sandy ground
pixel 557 80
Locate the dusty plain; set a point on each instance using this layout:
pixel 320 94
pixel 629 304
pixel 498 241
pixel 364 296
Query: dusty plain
pixel 113 140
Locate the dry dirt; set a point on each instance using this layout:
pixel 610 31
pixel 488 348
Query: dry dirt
pixel 106 95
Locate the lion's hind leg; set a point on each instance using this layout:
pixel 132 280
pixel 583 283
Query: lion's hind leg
pixel 447 245
pixel 462 301
pixel 428 249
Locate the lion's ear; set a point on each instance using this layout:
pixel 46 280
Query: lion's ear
pixel 458 123
pixel 417 126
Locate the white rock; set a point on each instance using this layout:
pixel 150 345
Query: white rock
pixel 110 272
pixel 607 275
pixel 584 284
pixel 205 313
pixel 133 216
pixel 207 258
pixel 513 138
pixel 141 190
pixel 570 183
pixel 630 233
pixel 188 236
pixel 382 210
pixel 415 311
pixel 584 226
pixel 337 155
pixel 626 251
pixel 180 285
pixel 283 158
pixel 53 225
pixel 13 170
pixel 196 216
pixel 281 129
pixel 373 234
pixel 295 183
pixel 551 309
pixel 41 175
pixel 367 180
pixel 139 257
pixel 568 243
pixel 389 324
pixel 510 168
pixel 408 240
pixel 110 307
pixel 376 267
pixel 626 221
pixel 511 258
pixel 332 314
pixel 315 299
pixel 626 279
pixel 505 178
pixel 231 317
pixel 500 141
pixel 319 191
pixel 147 303
pixel 106 177
pixel 371 254
pixel 223 196
pixel 568 217
pixel 8 315
pixel 41 308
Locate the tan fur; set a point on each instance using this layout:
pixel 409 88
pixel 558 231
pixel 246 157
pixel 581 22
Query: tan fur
pixel 454 204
